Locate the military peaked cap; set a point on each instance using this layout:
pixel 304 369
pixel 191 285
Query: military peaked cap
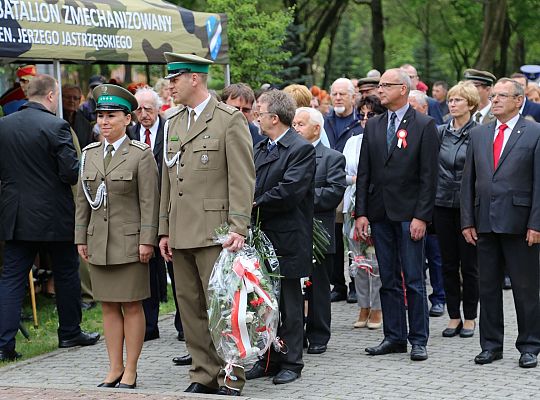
pixel 114 98
pixel 178 64
pixel 485 77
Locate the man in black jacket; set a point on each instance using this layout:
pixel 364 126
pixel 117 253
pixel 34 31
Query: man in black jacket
pixel 285 167
pixel 395 192
pixel 330 185
pixel 38 164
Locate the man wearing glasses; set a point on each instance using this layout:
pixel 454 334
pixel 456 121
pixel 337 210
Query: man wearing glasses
pixel 483 81
pixel 241 97
pixel 500 215
pixel 395 193
pixel 71 99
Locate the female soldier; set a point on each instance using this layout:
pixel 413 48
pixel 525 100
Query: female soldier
pixel 116 229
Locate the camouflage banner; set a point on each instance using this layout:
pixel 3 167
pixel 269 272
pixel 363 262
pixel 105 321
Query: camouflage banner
pixel 114 31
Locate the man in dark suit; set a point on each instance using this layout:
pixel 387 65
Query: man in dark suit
pixel 395 192
pixel 241 97
pixel 330 185
pixel 528 108
pixel 149 130
pixel 500 214
pixel 285 167
pixel 38 163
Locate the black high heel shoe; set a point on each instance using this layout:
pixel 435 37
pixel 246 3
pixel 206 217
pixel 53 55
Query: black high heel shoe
pixel 111 384
pixel 127 385
pixel 451 332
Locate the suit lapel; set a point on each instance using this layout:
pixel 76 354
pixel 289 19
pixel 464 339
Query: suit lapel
pixel 201 123
pixel 403 125
pixel 119 156
pixel 489 142
pixel 158 145
pixel 514 137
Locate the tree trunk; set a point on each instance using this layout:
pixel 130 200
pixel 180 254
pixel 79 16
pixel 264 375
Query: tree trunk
pixel 519 58
pixel 505 43
pixel 377 36
pixel 495 12
pixel 328 63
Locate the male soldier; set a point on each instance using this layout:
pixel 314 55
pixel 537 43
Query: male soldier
pixel 38 164
pixel 368 87
pixel 16 96
pixel 208 179
pixel 483 81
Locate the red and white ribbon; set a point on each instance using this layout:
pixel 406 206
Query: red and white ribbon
pixel 402 138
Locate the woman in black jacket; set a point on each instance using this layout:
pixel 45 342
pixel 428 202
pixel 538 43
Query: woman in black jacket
pixel 460 271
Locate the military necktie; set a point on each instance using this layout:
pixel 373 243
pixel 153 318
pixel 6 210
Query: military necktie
pixel 191 119
pixel 391 131
pixel 108 156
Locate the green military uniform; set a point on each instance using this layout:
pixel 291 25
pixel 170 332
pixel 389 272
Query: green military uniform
pixel 128 214
pixel 212 182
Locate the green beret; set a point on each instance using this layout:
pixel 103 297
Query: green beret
pixel 114 98
pixel 180 63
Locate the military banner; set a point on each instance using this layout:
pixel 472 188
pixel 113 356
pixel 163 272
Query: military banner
pixel 113 31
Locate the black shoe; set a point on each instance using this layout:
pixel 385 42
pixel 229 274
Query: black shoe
pixel 528 360
pixel 128 385
pixel 436 310
pixel 488 356
pixel 87 306
pixel 111 384
pixel 418 352
pixel 451 332
pixel 285 376
pixel 196 387
pixel 258 371
pixel 181 336
pixel 387 347
pixel 337 296
pixel 9 355
pixel 507 284
pixel 151 335
pixel 351 297
pixel 467 333
pixel 225 391
pixel 183 360
pixel 316 348
pixel 82 339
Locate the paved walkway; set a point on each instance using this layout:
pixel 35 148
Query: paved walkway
pixel 343 372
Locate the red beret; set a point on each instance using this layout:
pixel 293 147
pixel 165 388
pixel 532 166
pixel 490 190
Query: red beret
pixel 27 70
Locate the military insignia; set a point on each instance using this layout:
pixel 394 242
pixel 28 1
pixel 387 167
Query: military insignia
pixel 91 145
pixel 204 159
pixel 174 138
pixel 206 137
pixel 140 145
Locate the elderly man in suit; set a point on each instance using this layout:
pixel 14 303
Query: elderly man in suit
pixel 395 192
pixel 330 185
pixel 285 165
pixel 149 130
pixel 500 214
pixel 38 163
pixel 208 180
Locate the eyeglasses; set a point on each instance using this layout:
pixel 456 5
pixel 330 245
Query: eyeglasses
pixel 245 110
pixel 366 116
pixel 502 96
pixel 387 85
pixel 259 114
pixel 455 100
pixel 73 98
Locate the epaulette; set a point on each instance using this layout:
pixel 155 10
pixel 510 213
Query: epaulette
pixel 174 113
pixel 225 107
pixel 140 145
pixel 91 145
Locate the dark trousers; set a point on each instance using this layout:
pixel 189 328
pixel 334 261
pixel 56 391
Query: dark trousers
pixel 319 309
pixel 177 319
pixel 18 259
pixel 337 278
pixel 397 252
pixel 291 328
pixel 460 269
pixel 497 251
pixel 434 267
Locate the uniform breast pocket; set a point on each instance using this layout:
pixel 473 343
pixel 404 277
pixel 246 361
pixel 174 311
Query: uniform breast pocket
pixel 121 182
pixel 90 180
pixel 206 154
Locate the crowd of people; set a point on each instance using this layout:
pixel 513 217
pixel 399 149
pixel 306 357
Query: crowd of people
pixel 441 186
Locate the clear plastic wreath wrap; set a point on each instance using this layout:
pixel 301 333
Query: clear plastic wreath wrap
pixel 243 293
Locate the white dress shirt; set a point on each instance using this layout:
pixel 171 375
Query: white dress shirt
pixel 116 145
pixel 511 124
pixel 153 134
pixel 198 110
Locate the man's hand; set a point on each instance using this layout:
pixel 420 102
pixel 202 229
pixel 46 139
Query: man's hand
pixel 234 242
pixel 166 251
pixel 145 253
pixel 471 237
pixel 83 251
pixel 417 229
pixel 361 225
pixel 533 237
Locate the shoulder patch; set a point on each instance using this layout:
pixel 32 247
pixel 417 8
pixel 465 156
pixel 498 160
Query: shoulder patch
pixel 91 145
pixel 227 108
pixel 140 145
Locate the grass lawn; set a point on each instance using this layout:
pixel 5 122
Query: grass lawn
pixel 44 338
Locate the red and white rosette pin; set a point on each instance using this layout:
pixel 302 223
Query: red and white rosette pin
pixel 402 138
